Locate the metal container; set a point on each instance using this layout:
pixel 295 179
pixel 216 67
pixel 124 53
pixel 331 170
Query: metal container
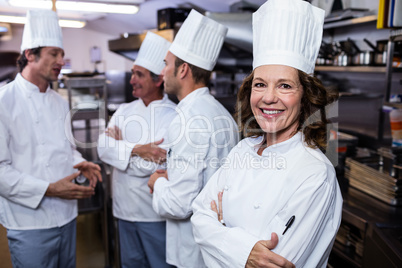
pixel 381 53
pixel 362 57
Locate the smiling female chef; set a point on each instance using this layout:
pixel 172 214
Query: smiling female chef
pixel 277 180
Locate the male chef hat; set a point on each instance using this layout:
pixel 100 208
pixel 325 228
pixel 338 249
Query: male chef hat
pixel 199 41
pixel 287 32
pixel 152 52
pixel 41 30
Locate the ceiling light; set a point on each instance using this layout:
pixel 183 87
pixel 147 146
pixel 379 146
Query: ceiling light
pixel 62 23
pixel 77 6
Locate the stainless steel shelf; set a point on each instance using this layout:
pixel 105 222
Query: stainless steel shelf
pixel 85 82
pixel 349 22
pixel 86 114
pixel 393 104
pixel 362 69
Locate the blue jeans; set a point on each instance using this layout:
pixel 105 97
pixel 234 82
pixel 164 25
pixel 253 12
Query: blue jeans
pixel 54 247
pixel 142 244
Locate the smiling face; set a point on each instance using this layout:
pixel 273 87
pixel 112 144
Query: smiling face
pixel 276 101
pixel 144 86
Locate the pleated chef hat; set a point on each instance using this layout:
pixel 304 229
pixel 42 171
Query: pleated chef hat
pixel 41 30
pixel 287 32
pixel 152 52
pixel 199 41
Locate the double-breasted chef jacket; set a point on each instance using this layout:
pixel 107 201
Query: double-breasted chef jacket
pixel 260 195
pixel 200 136
pixel 37 148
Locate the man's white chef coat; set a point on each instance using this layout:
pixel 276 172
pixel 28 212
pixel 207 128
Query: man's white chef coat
pixel 260 195
pixel 201 134
pixel 139 124
pixel 35 134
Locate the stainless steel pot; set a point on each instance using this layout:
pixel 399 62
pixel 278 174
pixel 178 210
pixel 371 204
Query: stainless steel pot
pixel 326 54
pixel 380 51
pixel 362 58
pixel 342 59
pixel 341 56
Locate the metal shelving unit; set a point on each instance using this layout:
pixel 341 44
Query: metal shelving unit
pixel 395 35
pixel 93 110
pixel 100 202
pixel 82 83
pixel 349 22
pixel 351 216
pixel 362 69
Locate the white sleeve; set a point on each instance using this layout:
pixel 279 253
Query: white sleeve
pixel 114 152
pixel 221 246
pixel 142 168
pixel 16 186
pixel 318 209
pixel 316 206
pixel 173 198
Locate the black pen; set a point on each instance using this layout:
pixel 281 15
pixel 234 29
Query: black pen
pixel 289 223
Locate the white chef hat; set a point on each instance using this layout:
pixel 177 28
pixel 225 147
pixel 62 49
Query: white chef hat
pixel 152 52
pixel 199 41
pixel 41 30
pixel 287 32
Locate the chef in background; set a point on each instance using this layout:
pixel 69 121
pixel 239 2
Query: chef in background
pixel 37 161
pixel 277 183
pixel 200 135
pixel 130 146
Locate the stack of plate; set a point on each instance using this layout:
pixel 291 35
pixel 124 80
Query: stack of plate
pixel 370 179
pixel 351 238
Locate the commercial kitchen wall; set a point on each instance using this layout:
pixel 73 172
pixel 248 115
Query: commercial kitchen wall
pixel 77 44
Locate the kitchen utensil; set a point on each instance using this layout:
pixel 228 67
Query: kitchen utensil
pixel 380 56
pixel 341 57
pixel 326 54
pixel 361 58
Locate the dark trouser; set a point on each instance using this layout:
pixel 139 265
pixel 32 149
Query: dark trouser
pixel 142 244
pixel 54 247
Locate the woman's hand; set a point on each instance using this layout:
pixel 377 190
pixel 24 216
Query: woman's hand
pixel 261 255
pixel 218 209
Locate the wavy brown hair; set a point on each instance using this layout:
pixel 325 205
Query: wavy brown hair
pixel 312 120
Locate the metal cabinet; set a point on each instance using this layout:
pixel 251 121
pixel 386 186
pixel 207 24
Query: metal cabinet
pixel 395 36
pixel 87 98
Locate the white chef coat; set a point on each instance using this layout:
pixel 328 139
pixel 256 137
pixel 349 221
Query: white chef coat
pixel 35 134
pixel 201 134
pixel 139 124
pixel 261 193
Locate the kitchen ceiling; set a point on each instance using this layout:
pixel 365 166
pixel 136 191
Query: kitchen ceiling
pixel 145 19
